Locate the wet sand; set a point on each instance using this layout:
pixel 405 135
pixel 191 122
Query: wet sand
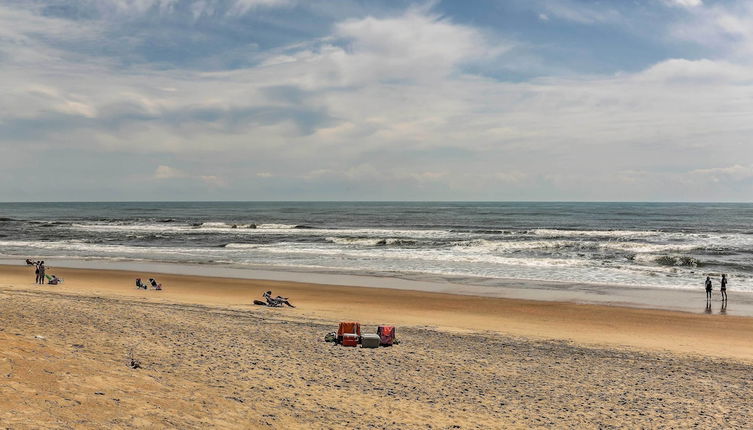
pixel 211 359
pixel 683 300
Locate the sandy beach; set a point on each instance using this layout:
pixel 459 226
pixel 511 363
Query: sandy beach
pixel 211 359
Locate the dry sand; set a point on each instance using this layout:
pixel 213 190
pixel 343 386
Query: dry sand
pixel 211 360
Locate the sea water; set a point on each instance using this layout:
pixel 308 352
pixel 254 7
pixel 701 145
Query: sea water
pixel 666 245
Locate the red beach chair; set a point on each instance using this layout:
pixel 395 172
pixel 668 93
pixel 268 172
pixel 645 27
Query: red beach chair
pixel 349 327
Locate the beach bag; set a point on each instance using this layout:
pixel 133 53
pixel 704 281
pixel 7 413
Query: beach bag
pixel 370 340
pixel 386 334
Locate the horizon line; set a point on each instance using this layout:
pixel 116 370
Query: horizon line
pixel 379 201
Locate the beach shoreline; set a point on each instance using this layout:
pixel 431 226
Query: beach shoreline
pixel 712 334
pixel 642 297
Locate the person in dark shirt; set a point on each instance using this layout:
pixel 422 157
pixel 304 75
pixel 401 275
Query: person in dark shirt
pixel 724 287
pixel 156 285
pixel 276 302
pixel 41 270
pixel 708 288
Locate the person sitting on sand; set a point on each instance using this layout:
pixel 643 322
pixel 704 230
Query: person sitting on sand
pixel 708 288
pixel 156 285
pixel 723 289
pixel 276 302
pixel 54 280
pixel 140 285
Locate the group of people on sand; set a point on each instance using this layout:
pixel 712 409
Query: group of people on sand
pixel 722 289
pixel 40 273
pixel 39 270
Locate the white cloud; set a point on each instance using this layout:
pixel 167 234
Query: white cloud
pixel 698 71
pixel 726 30
pixel 241 7
pixel 735 172
pixel 412 47
pixel 685 3
pixel 167 172
pixel 163 172
pixel 213 181
pixel 578 12
pixel 138 6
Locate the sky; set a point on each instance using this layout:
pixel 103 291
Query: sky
pixel 583 100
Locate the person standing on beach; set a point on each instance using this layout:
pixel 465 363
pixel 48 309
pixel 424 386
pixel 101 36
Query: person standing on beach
pixel 708 288
pixel 36 272
pixel 724 287
pixel 41 272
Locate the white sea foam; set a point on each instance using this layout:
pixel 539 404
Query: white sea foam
pixel 642 247
pixel 144 228
pixel 241 246
pixel 269 229
pixel 77 247
pixel 468 261
pixel 485 245
pixel 398 254
pixel 546 232
pixel 376 241
pixel 272 226
pixel 216 225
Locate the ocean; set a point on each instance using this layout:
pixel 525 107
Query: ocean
pixel 665 245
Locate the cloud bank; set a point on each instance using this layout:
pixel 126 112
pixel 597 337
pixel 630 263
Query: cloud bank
pixel 394 102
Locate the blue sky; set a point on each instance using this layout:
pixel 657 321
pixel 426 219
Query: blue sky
pixel 368 100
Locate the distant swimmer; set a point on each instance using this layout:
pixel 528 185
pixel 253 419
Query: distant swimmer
pixel 708 288
pixel 724 287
